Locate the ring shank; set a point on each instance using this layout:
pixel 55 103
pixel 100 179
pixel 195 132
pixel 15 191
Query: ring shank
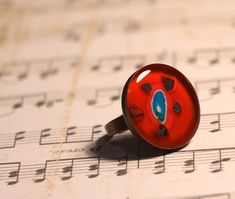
pixel 116 126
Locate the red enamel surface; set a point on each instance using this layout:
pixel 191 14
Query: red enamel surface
pixel 181 126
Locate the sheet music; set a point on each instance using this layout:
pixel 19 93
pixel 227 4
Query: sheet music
pixel 63 65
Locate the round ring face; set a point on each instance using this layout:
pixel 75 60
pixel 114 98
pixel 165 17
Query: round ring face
pixel 160 105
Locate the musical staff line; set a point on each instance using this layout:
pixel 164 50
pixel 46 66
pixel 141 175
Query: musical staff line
pixel 103 97
pixel 44 68
pixel 214 160
pixel 13 72
pixel 208 89
pixel 196 59
pixel 97 98
pixel 127 24
pixel 111 64
pixel 210 196
pixel 212 123
pixel 50 136
pixel 213 55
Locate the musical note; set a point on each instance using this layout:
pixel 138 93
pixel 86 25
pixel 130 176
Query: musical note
pixel 131 26
pixel 217 164
pixel 74 33
pixel 216 122
pixel 104 97
pixel 110 65
pixel 13 72
pixel 19 101
pixel 159 167
pixel 122 164
pixel 9 172
pixel 19 73
pixel 44 134
pixel 82 134
pixel 209 88
pixel 69 170
pixel 49 71
pixel 88 165
pixel 211 122
pixel 62 168
pixel 19 136
pixel 205 57
pixel 41 172
pixel 71 134
pixel 189 164
pixel 164 57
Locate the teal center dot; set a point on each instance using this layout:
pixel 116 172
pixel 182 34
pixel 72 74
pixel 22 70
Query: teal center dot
pixel 159 105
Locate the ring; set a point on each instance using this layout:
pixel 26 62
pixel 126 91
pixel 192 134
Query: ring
pixel 160 106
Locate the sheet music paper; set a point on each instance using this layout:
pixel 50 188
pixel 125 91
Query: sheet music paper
pixel 63 65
